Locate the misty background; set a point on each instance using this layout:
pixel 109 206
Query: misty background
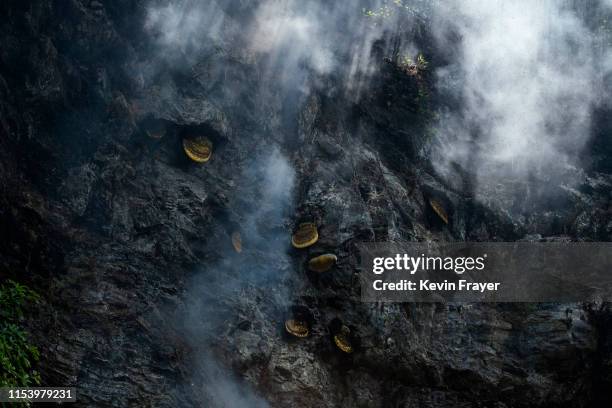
pixel 527 77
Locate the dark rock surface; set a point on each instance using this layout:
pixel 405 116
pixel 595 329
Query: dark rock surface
pixel 145 301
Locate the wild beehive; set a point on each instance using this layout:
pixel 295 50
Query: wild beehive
pixel 237 241
pixel 305 236
pixel 322 263
pixel 439 209
pixel 198 148
pixel 342 341
pixel 297 328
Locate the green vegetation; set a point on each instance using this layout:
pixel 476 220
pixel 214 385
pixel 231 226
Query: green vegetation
pixel 422 62
pixel 17 355
pixel 382 12
pixel 391 7
pixel 401 8
pixel 411 67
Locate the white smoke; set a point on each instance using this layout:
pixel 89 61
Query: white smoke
pixel 224 390
pixel 297 39
pixel 291 34
pixel 319 37
pixel 183 32
pixel 184 28
pixel 277 184
pixel 527 77
pixel 220 291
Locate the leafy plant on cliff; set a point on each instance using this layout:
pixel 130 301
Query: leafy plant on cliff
pixel 17 355
pixel 411 67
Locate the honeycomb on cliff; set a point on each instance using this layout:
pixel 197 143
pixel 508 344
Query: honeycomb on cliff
pixel 305 236
pixel 237 241
pixel 198 148
pixel 297 328
pixel 342 340
pixel 439 209
pixel 322 263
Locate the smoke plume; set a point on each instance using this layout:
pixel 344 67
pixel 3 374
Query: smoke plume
pixel 295 40
pixel 221 291
pixel 526 78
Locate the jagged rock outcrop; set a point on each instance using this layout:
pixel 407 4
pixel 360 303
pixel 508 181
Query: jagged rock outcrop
pixel 145 300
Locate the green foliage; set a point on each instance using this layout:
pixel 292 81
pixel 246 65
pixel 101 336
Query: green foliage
pixel 382 12
pixel 422 63
pixel 397 7
pixel 411 67
pixel 17 355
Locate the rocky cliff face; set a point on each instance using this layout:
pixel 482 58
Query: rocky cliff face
pixel 146 301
